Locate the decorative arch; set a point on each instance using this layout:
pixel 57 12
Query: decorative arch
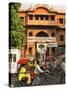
pixel 42 6
pixel 42 34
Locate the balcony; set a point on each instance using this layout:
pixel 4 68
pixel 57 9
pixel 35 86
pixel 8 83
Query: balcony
pixel 48 20
pixel 41 22
pixel 44 20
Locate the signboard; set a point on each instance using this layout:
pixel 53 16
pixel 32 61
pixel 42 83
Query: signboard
pixel 52 45
pixel 41 48
pixel 41 39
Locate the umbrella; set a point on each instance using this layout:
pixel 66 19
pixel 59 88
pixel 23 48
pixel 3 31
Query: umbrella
pixel 22 61
pixel 50 57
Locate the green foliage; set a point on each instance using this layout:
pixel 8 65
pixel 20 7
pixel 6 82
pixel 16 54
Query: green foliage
pixel 16 31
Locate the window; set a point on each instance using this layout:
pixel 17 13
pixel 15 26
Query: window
pixel 30 50
pixel 30 34
pixel 46 17
pixel 30 17
pixel 22 18
pixel 52 17
pixel 10 57
pixel 42 17
pixel 53 34
pixel 14 57
pixel 61 38
pixel 37 17
pixel 61 20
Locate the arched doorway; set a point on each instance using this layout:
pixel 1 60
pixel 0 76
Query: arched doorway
pixel 41 46
pixel 42 34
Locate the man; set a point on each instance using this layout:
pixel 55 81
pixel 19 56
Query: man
pixel 23 73
pixel 37 68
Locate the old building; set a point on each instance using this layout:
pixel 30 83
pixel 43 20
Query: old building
pixel 45 27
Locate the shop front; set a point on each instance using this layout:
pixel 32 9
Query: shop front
pixel 43 45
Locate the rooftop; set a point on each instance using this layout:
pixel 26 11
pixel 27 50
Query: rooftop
pixel 58 9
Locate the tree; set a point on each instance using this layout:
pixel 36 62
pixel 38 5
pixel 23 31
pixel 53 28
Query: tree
pixel 16 27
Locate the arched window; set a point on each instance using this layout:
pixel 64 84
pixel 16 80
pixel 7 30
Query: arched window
pixel 30 34
pixel 53 34
pixel 30 50
pixel 61 37
pixel 42 34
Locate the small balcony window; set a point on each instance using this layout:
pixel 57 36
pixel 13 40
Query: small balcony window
pixel 46 17
pixel 37 17
pixel 61 20
pixel 30 17
pixel 52 17
pixel 42 17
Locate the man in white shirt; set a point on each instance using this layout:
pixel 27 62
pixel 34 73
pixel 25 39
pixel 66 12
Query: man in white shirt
pixel 37 68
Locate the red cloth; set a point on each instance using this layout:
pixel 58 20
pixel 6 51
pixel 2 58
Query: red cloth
pixel 22 61
pixel 33 75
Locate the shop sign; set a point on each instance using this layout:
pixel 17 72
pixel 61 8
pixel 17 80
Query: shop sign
pixel 41 39
pixel 52 45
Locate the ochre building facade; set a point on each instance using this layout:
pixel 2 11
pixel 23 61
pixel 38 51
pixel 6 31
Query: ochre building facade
pixel 44 26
